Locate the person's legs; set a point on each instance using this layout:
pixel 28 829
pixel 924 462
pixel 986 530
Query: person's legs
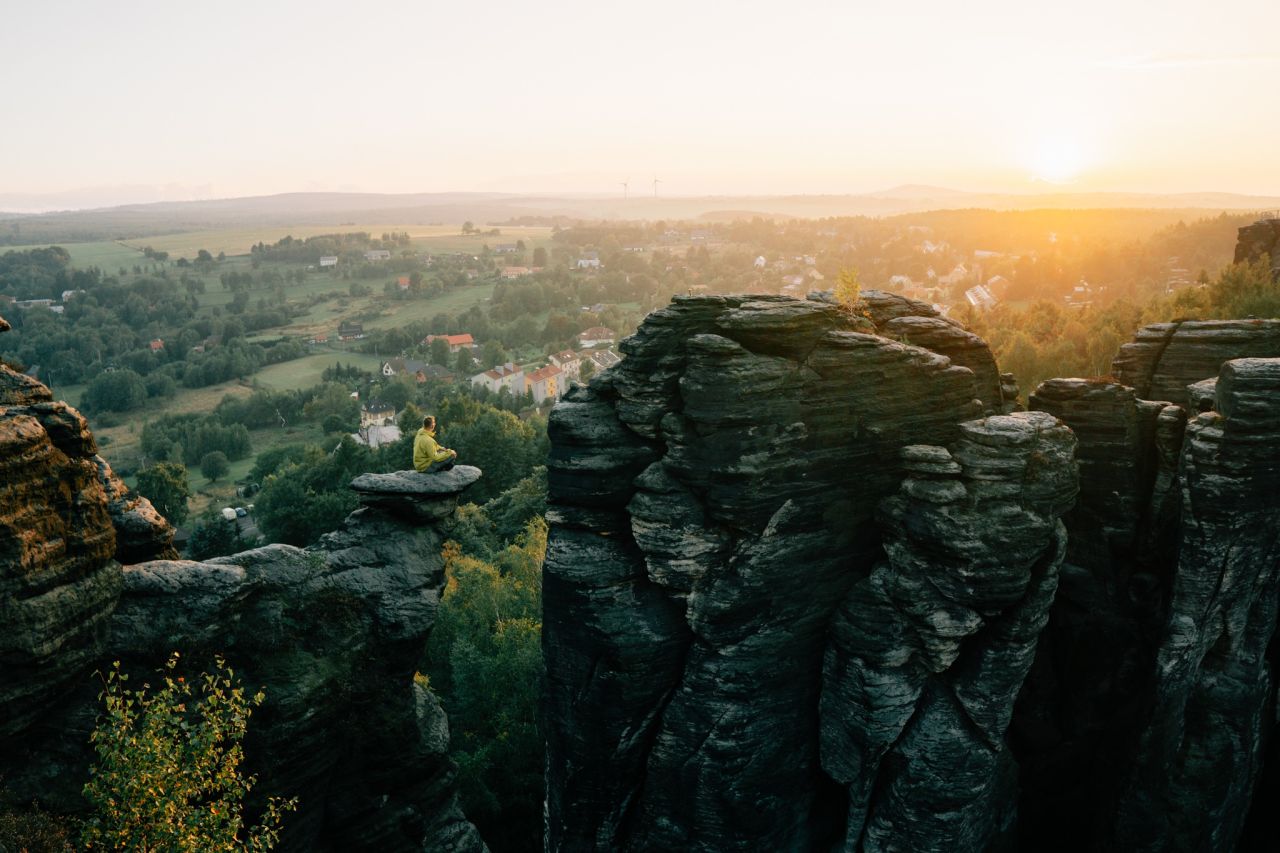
pixel 436 467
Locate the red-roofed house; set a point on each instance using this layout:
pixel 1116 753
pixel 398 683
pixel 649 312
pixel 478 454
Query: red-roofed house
pixel 157 345
pixel 456 342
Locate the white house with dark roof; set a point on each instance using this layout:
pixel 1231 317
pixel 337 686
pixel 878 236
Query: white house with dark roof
pixel 507 376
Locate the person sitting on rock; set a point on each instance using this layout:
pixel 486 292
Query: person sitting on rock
pixel 428 456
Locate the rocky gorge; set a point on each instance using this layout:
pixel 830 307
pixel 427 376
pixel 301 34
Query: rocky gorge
pixel 332 634
pixel 814 583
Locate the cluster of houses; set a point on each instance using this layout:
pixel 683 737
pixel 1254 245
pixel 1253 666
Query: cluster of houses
pixel 552 380
pixel 548 382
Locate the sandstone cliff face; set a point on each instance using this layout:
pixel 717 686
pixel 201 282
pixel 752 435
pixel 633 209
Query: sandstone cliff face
pixel 799 595
pixel 1260 238
pixel 1214 706
pixel 58 579
pixel 332 634
pixel 1146 718
pixel 714 507
pixel 1164 358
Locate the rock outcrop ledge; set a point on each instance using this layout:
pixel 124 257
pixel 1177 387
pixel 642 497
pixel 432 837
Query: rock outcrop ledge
pixel 333 634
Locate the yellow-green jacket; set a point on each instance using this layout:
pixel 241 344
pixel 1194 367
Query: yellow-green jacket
pixel 426 450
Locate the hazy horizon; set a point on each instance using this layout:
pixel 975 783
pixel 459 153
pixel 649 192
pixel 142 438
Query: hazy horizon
pixel 160 103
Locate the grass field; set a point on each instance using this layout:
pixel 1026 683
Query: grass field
pixel 305 372
pixel 107 255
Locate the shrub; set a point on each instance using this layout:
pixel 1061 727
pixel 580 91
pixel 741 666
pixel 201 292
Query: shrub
pixel 167 775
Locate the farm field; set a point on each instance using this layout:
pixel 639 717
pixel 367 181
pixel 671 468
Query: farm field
pixel 107 255
pixel 110 255
pixel 237 241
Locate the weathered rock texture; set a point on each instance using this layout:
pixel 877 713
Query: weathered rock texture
pixel 333 635
pixel 928 653
pixel 1260 238
pixel 1214 706
pixel 1164 358
pixel 800 596
pixel 1146 718
pixel 714 503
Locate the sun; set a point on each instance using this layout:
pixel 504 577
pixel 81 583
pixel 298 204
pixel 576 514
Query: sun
pixel 1058 159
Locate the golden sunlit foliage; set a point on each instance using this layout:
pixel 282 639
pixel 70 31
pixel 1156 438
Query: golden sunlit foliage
pixel 167 775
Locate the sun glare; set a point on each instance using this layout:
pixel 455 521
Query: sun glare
pixel 1058 160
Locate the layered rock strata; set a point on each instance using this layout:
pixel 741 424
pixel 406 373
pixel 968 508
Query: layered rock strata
pixel 1164 358
pixel 1201 753
pixel 928 653
pixel 714 501
pixel 1143 724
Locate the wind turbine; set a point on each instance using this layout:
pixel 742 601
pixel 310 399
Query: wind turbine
pixel 655 187
pixel 625 184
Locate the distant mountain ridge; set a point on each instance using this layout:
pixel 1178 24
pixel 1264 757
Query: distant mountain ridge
pixel 344 209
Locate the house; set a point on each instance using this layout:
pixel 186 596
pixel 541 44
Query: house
pixel 901 281
pixel 436 373
pixel 999 286
pixel 588 261
pixel 699 235
pixel 569 362
pixel 348 331
pixel 328 260
pixel 157 345
pixel 318 339
pixel 515 272
pixel 68 295
pixel 375 436
pixel 503 376
pixel 402 282
pixel 506 248
pixel 605 358
pixel 596 336
pixel 405 367
pixel 760 262
pixel 633 249
pixel 377 255
pixel 377 413
pixel 957 275
pixel 979 297
pixel 545 384
pixel 456 342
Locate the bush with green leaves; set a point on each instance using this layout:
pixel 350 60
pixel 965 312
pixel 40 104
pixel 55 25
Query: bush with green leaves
pixel 165 485
pixel 167 774
pixel 486 666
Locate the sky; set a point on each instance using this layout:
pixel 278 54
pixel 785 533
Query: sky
pixel 135 101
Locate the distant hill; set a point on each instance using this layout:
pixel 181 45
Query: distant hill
pixel 346 209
